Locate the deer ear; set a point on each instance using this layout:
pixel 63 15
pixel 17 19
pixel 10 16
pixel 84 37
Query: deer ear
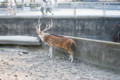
pixel 37 31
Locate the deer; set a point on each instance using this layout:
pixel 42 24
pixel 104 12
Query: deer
pixel 55 40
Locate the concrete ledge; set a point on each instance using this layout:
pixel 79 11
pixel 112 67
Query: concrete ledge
pixel 19 40
pixel 59 16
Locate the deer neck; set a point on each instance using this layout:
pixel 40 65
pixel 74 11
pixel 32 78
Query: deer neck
pixel 41 36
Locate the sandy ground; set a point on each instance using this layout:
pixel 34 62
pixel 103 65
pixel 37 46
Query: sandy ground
pixel 36 65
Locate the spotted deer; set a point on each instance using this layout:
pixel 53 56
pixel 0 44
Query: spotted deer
pixel 55 40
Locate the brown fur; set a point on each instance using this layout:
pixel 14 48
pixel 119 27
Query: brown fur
pixel 56 40
pixel 59 41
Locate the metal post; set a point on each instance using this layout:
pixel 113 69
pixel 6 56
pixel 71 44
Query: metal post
pixel 104 5
pixel 22 4
pixel 75 8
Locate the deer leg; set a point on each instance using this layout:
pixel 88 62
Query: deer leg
pixel 71 58
pixel 71 55
pixel 68 49
pixel 50 52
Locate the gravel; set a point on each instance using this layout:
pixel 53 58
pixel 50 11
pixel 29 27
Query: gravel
pixel 36 65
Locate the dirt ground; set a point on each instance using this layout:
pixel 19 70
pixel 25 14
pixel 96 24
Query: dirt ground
pixel 34 64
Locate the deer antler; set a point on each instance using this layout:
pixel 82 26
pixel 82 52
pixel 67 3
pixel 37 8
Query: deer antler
pixel 39 25
pixel 48 26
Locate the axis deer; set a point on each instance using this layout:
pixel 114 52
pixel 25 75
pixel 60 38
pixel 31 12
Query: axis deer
pixel 55 40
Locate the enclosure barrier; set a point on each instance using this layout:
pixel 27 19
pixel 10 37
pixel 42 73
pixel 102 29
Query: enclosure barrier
pixel 19 40
pixel 101 53
pixel 104 6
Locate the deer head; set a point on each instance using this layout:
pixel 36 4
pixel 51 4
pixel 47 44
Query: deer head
pixel 39 31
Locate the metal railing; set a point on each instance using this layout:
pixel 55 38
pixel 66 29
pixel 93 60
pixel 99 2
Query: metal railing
pixel 104 6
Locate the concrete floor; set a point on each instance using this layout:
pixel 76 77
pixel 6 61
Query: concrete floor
pixel 36 65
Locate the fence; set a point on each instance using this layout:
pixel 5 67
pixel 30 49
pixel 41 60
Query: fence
pixel 74 6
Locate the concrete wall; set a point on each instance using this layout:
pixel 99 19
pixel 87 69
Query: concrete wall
pixel 85 27
pixel 91 5
pixel 101 53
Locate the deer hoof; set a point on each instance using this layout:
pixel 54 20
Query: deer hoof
pixel 71 58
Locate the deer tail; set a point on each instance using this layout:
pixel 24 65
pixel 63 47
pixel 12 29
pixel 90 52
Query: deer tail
pixel 73 42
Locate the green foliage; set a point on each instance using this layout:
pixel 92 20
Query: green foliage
pixel 0 4
pixel 19 4
pixel 2 49
pixel 79 0
pixel 25 4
